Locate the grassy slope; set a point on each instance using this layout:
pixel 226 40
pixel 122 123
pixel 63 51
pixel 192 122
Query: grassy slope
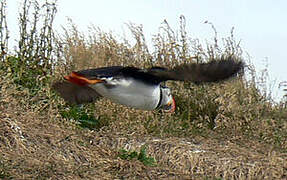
pixel 35 145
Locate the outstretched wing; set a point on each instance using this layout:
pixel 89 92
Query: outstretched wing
pixel 213 71
pixel 105 72
pixel 74 93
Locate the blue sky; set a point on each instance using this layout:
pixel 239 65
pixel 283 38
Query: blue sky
pixel 259 24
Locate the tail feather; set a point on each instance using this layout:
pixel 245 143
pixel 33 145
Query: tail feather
pixel 213 71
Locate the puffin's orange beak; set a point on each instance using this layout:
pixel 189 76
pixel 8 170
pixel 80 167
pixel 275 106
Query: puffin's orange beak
pixel 170 107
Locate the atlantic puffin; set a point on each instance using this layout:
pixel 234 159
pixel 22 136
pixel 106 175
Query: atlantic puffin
pixel 141 88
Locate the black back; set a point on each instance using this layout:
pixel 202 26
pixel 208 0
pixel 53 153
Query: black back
pixel 121 72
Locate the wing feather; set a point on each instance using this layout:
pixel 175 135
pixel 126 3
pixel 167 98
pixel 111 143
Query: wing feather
pixel 74 93
pixel 216 70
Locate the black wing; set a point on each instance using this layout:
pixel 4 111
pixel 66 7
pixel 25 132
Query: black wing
pixel 213 71
pixel 120 72
pixel 111 71
pixel 75 94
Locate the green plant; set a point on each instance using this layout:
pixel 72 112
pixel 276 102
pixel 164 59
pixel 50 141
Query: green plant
pixel 141 156
pixel 32 64
pixel 84 116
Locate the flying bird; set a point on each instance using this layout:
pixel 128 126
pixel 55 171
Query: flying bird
pixel 140 88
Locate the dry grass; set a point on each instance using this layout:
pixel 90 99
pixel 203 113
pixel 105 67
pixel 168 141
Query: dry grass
pixel 34 146
pixel 219 131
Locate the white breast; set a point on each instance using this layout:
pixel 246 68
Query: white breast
pixel 130 93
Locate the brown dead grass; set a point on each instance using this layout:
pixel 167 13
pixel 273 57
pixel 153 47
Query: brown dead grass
pixel 36 146
pixel 33 146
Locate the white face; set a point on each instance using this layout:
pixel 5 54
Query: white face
pixel 168 103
